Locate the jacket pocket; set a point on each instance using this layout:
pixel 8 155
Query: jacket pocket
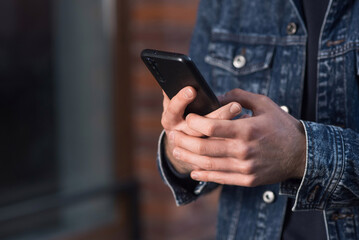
pixel 240 65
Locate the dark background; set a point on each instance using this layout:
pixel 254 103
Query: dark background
pixel 80 120
pixel 27 139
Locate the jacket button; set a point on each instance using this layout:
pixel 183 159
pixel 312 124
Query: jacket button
pixel 268 197
pixel 285 108
pixel 291 28
pixel 239 61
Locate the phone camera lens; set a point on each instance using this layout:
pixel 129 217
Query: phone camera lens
pixel 160 78
pixel 154 65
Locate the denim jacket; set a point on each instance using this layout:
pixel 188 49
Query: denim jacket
pixel 260 46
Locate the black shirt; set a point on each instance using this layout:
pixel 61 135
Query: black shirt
pixel 314 11
pixel 308 225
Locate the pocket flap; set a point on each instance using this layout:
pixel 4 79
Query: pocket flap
pixel 238 58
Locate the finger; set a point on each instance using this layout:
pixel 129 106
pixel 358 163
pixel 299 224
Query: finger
pixel 178 104
pixel 166 100
pixel 182 127
pixel 255 102
pixel 201 146
pixel 203 162
pixel 227 112
pixel 211 127
pixel 213 163
pixel 227 178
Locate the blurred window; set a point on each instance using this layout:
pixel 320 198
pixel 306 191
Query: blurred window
pixel 56 140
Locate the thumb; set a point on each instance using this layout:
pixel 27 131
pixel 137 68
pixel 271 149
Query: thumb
pixel 251 101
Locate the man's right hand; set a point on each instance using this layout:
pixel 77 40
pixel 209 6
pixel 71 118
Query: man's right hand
pixel 172 120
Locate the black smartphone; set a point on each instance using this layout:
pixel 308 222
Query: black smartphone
pixel 174 71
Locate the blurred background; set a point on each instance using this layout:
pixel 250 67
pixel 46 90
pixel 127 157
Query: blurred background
pixel 80 120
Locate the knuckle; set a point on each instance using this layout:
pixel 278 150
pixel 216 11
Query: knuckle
pixel 251 128
pixel 208 164
pixel 210 129
pixel 178 140
pixel 196 168
pixel 248 168
pixel 176 154
pixel 235 91
pixel 241 150
pixel 251 131
pixel 263 98
pixel 201 148
pixel 244 135
pixel 189 119
pixel 250 181
pixel 251 168
pixel 245 151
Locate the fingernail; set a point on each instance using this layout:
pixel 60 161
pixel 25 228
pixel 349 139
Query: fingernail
pixel 194 175
pixel 235 108
pixel 188 93
pixel 176 153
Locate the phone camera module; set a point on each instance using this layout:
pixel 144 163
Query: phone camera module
pixel 154 66
pixel 160 78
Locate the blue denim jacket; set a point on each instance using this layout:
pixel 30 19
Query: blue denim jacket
pixel 272 38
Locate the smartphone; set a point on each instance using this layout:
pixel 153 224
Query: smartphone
pixel 174 71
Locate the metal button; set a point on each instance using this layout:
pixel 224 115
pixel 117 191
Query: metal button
pixel 268 197
pixel 239 61
pixel 291 28
pixel 285 109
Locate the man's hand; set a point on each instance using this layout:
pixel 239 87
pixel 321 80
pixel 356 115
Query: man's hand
pixel 267 148
pixel 172 120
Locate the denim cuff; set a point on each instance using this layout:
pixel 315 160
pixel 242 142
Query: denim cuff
pixel 181 194
pixel 289 187
pixel 324 166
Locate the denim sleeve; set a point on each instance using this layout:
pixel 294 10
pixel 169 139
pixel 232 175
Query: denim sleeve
pixel 331 177
pixel 206 16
